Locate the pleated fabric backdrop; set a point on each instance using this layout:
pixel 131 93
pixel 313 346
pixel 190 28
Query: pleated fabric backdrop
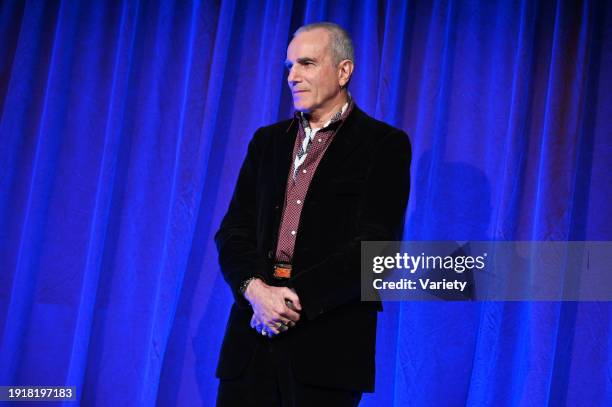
pixel 122 129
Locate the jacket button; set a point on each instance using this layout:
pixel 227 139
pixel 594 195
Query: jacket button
pixel 276 207
pixel 270 254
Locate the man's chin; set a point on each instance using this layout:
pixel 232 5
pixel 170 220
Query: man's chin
pixel 301 107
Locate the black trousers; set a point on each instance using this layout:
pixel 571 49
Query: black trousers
pixel 268 381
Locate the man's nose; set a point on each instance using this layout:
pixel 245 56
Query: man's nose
pixel 292 77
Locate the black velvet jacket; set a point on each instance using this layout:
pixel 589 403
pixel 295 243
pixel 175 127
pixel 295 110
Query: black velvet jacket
pixel 358 193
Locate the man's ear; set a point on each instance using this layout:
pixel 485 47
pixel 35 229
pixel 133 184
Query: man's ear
pixel 345 70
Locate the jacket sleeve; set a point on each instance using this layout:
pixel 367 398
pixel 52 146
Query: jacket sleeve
pixel 236 238
pixel 337 279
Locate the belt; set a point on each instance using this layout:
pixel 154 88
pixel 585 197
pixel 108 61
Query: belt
pixel 282 270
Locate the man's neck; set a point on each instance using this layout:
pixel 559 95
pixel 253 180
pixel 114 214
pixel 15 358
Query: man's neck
pixel 318 118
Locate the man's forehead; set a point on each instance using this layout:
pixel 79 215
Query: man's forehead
pixel 313 44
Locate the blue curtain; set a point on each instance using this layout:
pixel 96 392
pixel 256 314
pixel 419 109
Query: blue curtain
pixel 122 129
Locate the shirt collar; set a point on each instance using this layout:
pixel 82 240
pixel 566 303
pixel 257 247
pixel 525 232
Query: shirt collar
pixel 338 117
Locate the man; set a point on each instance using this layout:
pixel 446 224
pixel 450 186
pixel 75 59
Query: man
pixel 310 190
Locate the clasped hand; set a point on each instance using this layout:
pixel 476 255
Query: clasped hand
pixel 275 309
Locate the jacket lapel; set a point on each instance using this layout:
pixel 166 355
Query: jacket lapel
pixel 346 140
pixel 283 158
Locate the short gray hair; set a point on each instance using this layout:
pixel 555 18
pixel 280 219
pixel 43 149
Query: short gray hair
pixel 341 44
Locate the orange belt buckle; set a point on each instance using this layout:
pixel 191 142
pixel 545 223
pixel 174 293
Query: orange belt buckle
pixel 282 270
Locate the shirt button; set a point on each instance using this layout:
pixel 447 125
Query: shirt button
pixel 304 171
pixel 298 202
pixel 293 232
pixel 319 140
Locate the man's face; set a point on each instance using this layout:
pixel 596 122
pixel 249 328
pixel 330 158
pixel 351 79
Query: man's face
pixel 313 79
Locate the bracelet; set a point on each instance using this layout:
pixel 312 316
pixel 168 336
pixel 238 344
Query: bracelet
pixel 246 283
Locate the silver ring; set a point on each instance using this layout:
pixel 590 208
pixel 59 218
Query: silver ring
pixel 263 332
